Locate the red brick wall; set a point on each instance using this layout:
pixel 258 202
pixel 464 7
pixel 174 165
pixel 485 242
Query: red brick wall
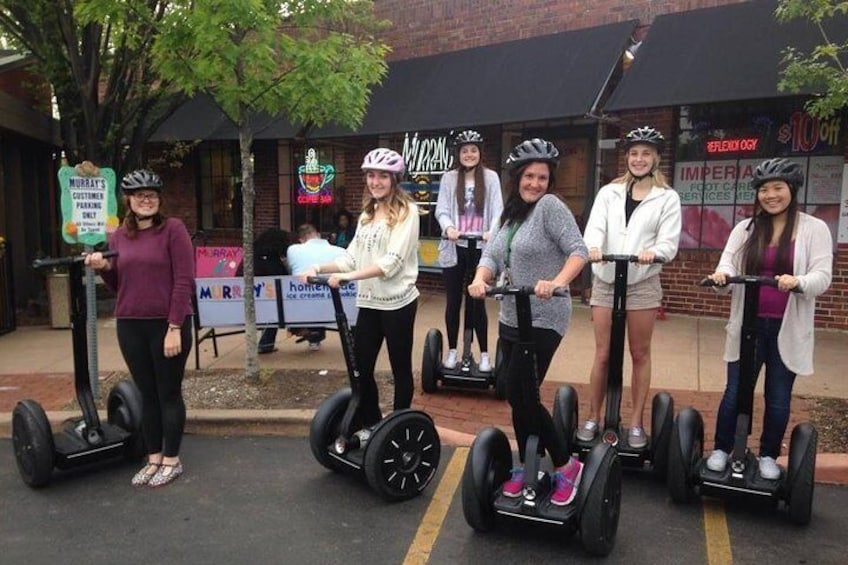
pixel 26 87
pixel 427 27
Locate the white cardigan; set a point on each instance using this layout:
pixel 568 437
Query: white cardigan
pixel 812 265
pixel 654 226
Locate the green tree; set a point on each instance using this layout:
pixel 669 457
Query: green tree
pixel 824 70
pixel 311 61
pixel 97 57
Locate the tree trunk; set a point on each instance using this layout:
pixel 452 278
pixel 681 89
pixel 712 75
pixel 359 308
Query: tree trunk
pixel 251 361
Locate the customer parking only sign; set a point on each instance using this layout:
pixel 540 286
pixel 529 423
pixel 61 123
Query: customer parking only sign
pixel 89 208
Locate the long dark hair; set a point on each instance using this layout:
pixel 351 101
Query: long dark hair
pixel 131 220
pixel 761 227
pixel 479 183
pixel 516 209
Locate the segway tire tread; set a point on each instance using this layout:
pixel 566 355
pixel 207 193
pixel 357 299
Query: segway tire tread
pixel 602 506
pixel 33 443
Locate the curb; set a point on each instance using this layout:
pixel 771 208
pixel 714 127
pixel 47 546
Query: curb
pixel 831 468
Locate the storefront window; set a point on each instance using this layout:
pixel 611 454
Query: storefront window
pixel 720 145
pixel 219 183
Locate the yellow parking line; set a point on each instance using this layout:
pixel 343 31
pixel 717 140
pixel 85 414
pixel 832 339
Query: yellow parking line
pixel 428 531
pixel 717 536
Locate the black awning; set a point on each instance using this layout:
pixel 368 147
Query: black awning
pixel 200 118
pixel 552 76
pixel 727 53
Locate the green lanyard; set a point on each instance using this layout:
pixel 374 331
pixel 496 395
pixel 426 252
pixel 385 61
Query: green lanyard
pixel 513 227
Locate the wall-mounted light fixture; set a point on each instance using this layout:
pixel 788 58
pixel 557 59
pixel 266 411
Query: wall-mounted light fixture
pixel 630 52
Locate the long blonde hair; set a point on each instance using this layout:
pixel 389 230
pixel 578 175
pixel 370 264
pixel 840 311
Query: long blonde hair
pixel 657 176
pixel 397 204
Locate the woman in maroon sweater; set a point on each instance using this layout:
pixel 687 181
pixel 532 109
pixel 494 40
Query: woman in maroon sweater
pixel 153 276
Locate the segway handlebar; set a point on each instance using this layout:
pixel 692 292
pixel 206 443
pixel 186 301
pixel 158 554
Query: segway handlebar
pixel 742 279
pixel 628 258
pixel 469 236
pixel 59 261
pixel 524 290
pixel 318 279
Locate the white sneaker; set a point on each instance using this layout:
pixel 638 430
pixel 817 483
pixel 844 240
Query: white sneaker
pixel 769 469
pixel 717 460
pixel 587 431
pixel 450 360
pixel 485 366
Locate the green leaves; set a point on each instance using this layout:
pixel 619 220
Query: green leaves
pixel 823 71
pixel 312 61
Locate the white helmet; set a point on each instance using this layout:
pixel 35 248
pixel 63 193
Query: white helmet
pixel 382 159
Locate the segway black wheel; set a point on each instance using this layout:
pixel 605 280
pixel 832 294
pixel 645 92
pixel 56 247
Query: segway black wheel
pixel 486 469
pixel 430 362
pixel 602 502
pixel 800 481
pixel 124 409
pixel 402 456
pixel 324 429
pixel 662 419
pixel 500 373
pixel 32 439
pixel 685 450
pixel 565 415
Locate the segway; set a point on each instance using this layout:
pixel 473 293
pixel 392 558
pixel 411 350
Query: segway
pixel 82 440
pixel 654 455
pixel 688 474
pixel 398 456
pixel 595 511
pixel 467 373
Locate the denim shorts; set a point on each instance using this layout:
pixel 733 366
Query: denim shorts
pixel 643 295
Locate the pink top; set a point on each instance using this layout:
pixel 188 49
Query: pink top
pixel 773 301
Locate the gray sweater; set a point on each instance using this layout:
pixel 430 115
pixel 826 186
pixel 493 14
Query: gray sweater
pixel 540 248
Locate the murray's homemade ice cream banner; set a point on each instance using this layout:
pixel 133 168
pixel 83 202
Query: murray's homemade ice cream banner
pixel 220 302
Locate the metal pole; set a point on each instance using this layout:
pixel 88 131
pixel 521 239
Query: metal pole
pixel 91 326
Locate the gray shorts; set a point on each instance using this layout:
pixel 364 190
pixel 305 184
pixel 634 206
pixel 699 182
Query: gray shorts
pixel 642 295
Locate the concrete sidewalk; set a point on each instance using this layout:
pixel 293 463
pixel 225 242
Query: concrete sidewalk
pixel 37 362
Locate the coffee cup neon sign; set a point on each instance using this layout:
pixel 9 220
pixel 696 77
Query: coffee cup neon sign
pixel 314 181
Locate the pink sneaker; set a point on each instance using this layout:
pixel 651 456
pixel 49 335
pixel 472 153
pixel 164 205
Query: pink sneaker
pixel 566 482
pixel 513 487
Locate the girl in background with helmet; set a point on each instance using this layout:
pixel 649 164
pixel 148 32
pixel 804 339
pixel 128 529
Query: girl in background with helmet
pixel 636 214
pixel 469 201
pixel 153 276
pixel 538 244
pixel 383 257
pixel 797 250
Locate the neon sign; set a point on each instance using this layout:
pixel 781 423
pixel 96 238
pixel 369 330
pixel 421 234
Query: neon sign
pixel 734 145
pixel 314 181
pixel 427 155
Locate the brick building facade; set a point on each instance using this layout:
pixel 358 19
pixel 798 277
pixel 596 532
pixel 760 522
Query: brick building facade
pixel 424 30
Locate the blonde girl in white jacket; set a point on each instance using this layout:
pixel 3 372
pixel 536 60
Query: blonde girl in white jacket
pixel 636 214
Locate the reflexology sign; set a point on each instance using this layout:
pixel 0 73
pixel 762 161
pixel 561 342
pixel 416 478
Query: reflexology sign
pixel 89 208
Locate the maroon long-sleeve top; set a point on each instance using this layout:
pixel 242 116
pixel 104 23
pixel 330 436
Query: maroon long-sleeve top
pixel 153 273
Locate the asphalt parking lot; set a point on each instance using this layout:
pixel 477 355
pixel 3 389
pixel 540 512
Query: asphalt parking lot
pixel 265 500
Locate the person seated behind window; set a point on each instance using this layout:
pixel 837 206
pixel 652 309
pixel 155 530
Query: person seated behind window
pixel 345 229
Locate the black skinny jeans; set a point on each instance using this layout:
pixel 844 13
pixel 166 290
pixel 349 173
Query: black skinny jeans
pixel 546 342
pixel 159 378
pixel 455 290
pixel 396 326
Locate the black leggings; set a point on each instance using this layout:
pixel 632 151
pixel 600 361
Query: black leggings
pixel 396 326
pixel 546 342
pixel 159 379
pixel 454 290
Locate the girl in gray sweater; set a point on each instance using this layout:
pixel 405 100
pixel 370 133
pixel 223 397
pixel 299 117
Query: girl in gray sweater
pixel 538 244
